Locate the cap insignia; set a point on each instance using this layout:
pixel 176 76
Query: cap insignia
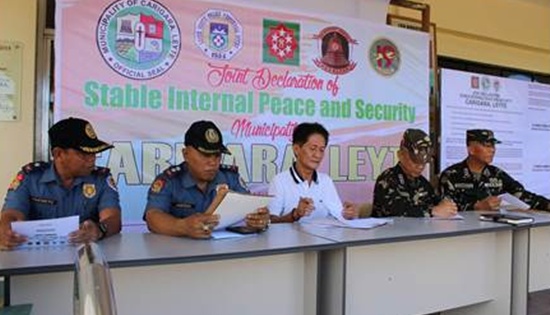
pixel 211 136
pixel 90 131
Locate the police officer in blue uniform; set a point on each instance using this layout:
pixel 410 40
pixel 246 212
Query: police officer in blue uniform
pixel 69 185
pixel 474 184
pixel 402 190
pixel 180 200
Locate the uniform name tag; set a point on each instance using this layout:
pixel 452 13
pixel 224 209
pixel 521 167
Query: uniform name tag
pixel 183 205
pixel 44 201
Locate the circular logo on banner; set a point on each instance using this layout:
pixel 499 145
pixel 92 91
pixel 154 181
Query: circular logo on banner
pixel 138 39
pixel 218 34
pixel 384 57
pixel 336 51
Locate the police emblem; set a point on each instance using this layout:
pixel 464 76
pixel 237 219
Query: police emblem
pixel 157 186
pixel 88 190
pixel 138 39
pixel 218 34
pixel 211 136
pixel 89 130
pixel 16 181
pixel 384 57
pixel 336 51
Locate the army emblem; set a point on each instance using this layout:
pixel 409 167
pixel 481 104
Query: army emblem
pixel 89 130
pixel 138 39
pixel 218 34
pixel 88 190
pixel 336 49
pixel 157 186
pixel 281 44
pixel 16 182
pixel 384 57
pixel 211 136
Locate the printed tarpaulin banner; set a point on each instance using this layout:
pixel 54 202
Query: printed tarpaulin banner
pixel 142 71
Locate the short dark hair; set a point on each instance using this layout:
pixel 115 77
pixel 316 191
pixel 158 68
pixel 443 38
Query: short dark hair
pixel 303 131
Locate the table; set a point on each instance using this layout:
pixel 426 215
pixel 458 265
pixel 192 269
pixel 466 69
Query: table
pixel 417 266
pixel 155 274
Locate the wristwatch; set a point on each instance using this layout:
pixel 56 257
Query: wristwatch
pixel 102 230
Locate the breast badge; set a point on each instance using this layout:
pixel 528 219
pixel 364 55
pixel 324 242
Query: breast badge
pixel 88 190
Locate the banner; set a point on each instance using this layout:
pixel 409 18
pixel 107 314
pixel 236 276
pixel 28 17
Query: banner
pixel 517 111
pixel 142 71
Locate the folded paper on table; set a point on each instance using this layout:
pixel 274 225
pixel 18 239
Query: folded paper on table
pixel 50 232
pixel 235 206
pixel 367 223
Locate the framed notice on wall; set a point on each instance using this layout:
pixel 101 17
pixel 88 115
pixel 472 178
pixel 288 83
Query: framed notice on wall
pixel 11 54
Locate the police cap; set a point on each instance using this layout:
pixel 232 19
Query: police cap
pixel 78 134
pixel 205 136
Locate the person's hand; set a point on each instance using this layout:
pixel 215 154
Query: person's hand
pixel 445 209
pixel 9 239
pixel 350 211
pixel 259 219
pixel 304 208
pixel 200 225
pixel 87 232
pixel 489 203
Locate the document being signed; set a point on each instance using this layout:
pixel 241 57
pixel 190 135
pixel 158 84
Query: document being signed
pixel 51 232
pixel 235 206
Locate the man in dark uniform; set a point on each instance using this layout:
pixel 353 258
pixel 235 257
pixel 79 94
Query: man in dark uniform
pixel 180 200
pixel 402 190
pixel 69 185
pixel 474 184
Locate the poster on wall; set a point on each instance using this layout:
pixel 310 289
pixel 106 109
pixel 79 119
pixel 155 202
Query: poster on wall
pixel 11 63
pixel 517 111
pixel 143 71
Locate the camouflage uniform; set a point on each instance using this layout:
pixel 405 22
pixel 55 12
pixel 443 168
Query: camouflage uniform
pixel 397 195
pixel 465 188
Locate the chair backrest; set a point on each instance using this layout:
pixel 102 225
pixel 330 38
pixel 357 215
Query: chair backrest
pixel 93 289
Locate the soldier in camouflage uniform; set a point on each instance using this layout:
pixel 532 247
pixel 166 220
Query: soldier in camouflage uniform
pixel 474 184
pixel 402 190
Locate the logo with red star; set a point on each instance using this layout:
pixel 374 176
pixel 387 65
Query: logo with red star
pixel 281 42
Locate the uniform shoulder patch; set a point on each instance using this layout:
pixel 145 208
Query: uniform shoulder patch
pixel 231 168
pixel 16 181
pixel 158 185
pixel 34 166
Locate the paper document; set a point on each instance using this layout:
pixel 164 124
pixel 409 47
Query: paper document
pixel 511 202
pixel 331 221
pixel 235 206
pixel 454 217
pixel 51 232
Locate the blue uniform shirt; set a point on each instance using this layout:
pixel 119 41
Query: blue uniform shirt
pixel 176 192
pixel 37 192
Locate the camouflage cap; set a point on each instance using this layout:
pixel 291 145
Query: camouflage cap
pixel 481 135
pixel 205 136
pixel 418 144
pixel 78 134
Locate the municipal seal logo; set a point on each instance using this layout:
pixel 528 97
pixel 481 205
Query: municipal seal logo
pixel 384 57
pixel 138 40
pixel 336 51
pixel 218 34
